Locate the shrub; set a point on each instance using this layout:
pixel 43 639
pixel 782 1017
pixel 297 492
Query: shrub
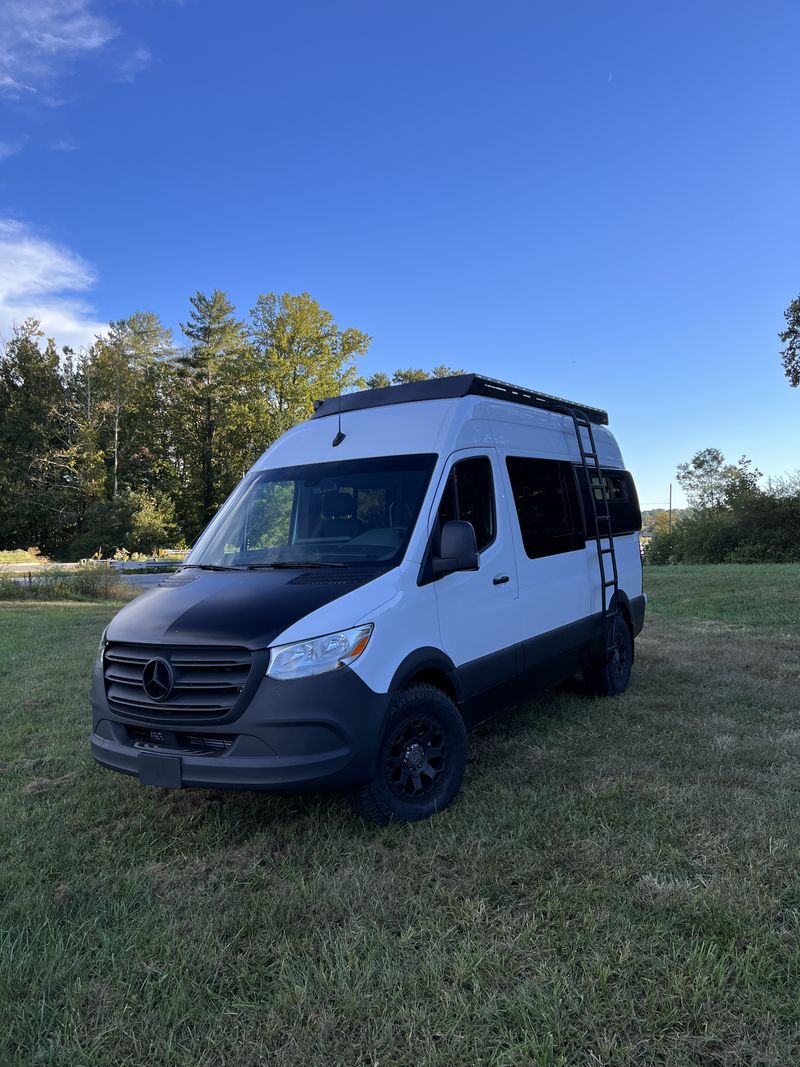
pixel 82 583
pixel 756 527
pixel 131 522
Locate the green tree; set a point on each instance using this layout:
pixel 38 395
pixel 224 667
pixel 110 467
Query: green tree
pixel 137 522
pixel 31 394
pixel 791 338
pixel 709 482
pixel 380 379
pixel 123 382
pixel 443 371
pixel 206 371
pixel 299 355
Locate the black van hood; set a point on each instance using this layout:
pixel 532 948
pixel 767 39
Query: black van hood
pixel 245 608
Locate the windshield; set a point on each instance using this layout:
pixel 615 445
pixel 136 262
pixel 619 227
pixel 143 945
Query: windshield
pixel 359 511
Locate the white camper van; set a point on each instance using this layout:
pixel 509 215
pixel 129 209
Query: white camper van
pixel 392 572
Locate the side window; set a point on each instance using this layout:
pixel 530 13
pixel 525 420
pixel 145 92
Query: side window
pixel 623 503
pixel 616 489
pixel 269 517
pixel 546 505
pixel 469 496
pixel 371 508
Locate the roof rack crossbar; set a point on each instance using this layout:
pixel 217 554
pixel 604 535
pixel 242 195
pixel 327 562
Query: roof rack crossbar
pixel 456 385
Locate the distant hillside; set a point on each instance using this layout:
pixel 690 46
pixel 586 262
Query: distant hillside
pixel 658 518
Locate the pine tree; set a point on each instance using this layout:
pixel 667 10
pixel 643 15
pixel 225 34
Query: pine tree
pixel 207 370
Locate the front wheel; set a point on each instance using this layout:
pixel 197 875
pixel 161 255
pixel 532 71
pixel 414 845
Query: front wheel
pixel 612 678
pixel 421 759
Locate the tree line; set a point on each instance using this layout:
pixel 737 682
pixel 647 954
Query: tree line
pixel 731 517
pixel 135 441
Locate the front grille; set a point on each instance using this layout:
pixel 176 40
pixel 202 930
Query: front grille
pixel 207 681
pixel 142 737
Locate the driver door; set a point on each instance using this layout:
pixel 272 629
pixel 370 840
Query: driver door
pixel 476 608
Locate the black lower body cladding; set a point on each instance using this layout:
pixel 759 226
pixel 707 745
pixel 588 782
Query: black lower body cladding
pixel 309 735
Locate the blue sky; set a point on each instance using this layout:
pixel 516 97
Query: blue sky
pixel 599 200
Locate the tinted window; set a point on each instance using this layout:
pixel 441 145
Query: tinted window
pixel 623 502
pixel 545 499
pixel 614 484
pixel 469 496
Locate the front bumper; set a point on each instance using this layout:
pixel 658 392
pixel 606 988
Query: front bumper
pixel 305 735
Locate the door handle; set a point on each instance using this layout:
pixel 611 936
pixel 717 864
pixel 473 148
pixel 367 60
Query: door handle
pixel 500 579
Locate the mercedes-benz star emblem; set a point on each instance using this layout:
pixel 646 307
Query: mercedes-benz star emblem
pixel 158 679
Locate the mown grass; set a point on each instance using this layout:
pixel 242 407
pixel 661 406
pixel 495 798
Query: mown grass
pixel 764 595
pixel 617 883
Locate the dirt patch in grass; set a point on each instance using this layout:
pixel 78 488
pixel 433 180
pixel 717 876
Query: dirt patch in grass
pixel 43 785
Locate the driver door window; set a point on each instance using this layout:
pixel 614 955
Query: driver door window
pixel 469 496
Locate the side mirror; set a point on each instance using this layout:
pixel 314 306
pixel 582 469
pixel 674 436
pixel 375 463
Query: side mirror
pixel 459 549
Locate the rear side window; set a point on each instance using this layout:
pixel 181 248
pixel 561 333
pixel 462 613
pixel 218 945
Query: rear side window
pixel 469 496
pixel 614 485
pixel 623 502
pixel 547 506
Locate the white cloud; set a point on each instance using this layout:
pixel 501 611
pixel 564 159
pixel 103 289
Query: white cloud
pixel 37 278
pixel 7 148
pixel 64 144
pixel 134 64
pixel 38 38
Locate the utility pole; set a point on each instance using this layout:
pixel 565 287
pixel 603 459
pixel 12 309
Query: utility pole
pixel 670 507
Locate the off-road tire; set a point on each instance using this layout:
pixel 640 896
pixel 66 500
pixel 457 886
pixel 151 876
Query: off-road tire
pixel 420 761
pixel 612 678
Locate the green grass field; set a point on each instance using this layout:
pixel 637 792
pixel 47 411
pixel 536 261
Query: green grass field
pixel 618 882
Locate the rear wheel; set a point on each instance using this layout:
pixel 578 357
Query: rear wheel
pixel 421 759
pixel 612 678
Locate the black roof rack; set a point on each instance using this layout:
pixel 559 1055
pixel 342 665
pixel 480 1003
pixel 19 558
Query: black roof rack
pixel 447 388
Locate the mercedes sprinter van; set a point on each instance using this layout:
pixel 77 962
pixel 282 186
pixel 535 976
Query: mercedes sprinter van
pixel 392 572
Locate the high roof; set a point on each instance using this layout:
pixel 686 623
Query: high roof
pixel 457 385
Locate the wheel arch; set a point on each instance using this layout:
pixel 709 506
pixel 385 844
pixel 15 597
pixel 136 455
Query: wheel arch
pixel 621 603
pixel 432 666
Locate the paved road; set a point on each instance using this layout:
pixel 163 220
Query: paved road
pixel 143 581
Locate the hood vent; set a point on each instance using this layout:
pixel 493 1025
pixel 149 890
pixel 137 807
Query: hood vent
pixel 313 578
pixel 179 579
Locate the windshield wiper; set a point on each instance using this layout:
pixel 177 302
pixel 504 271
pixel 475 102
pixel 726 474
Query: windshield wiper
pixel 208 567
pixel 286 563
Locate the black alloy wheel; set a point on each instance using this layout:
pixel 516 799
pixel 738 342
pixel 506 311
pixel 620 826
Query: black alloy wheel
pixel 415 756
pixel 420 762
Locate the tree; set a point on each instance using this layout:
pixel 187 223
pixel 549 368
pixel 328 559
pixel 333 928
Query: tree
pixel 122 371
pixel 218 341
pixel 709 482
pixel 380 379
pixel 791 338
pixel 136 522
pixel 443 371
pixel 31 394
pixel 410 374
pixel 299 355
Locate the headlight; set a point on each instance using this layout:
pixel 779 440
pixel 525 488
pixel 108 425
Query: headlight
pixel 320 654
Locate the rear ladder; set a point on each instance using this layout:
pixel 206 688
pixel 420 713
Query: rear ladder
pixel 598 495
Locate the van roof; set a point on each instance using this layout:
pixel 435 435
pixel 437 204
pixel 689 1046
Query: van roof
pixel 456 385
